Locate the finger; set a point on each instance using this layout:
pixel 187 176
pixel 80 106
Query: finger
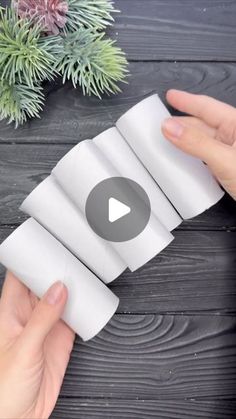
pixel 44 317
pixel 13 290
pixel 58 354
pixel 34 300
pixel 211 111
pixel 16 304
pixel 198 123
pixel 13 309
pixel 198 144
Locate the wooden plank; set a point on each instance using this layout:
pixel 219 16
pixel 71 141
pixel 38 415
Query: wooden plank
pixel 176 29
pixel 193 30
pixel 140 409
pixel 23 167
pixel 69 117
pixel 196 273
pixel 156 357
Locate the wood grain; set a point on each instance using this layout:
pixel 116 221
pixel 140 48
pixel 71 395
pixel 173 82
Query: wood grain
pixel 196 30
pixel 196 273
pixel 156 357
pixel 69 117
pixel 140 409
pixel 193 30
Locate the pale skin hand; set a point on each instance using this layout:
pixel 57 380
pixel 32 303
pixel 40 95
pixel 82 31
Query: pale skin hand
pixel 209 134
pixel 35 347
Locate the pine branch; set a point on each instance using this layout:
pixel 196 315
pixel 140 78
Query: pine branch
pixel 94 14
pixel 92 62
pixel 24 56
pixel 80 54
pixel 19 102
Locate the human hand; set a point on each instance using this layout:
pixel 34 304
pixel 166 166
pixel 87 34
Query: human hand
pixel 35 347
pixel 210 134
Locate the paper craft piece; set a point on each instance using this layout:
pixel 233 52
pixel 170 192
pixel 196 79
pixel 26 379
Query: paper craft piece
pixel 38 260
pixel 176 185
pixel 79 172
pixel 52 208
pixel 115 148
pixel 185 180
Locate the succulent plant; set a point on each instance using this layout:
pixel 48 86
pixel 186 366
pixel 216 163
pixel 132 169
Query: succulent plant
pixel 51 14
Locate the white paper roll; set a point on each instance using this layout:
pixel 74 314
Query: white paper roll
pixel 185 180
pixel 39 260
pixel 115 148
pixel 140 250
pixel 79 172
pixel 52 208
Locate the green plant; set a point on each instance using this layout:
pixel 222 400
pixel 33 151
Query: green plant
pixel 94 14
pixel 40 39
pixel 19 101
pixel 92 62
pixel 24 54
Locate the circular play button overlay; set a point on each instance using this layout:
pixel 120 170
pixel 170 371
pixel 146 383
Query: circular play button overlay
pixel 118 209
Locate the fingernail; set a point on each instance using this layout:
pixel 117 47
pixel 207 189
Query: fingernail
pixel 54 294
pixel 172 127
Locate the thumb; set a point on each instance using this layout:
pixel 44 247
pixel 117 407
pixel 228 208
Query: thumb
pixel 196 142
pixel 45 315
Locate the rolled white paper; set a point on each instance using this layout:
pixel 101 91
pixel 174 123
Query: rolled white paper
pixel 185 180
pixel 52 208
pixel 38 260
pixel 149 243
pixel 79 172
pixel 115 148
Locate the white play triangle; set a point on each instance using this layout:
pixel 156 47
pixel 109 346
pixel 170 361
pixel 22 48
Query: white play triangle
pixel 117 210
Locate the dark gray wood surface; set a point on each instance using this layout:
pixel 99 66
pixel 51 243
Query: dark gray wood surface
pixel 170 351
pixel 69 117
pixel 140 409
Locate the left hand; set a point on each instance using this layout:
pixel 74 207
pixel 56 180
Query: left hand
pixel 35 347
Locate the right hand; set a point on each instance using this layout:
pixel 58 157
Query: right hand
pixel 209 134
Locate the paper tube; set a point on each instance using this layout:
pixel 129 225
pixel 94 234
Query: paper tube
pixel 79 172
pixel 115 148
pixel 52 208
pixel 185 180
pixel 38 260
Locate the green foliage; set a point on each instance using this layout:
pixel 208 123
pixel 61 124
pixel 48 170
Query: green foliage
pixel 92 62
pixel 19 101
pixel 80 53
pixel 89 13
pixel 24 55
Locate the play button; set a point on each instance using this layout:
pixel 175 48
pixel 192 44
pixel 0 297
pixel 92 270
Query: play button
pixel 118 209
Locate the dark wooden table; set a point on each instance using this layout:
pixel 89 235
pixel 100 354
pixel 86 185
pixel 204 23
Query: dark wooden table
pixel 170 351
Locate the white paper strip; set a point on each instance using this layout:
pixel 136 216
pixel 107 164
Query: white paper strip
pixel 39 260
pixel 52 208
pixel 185 180
pixel 79 172
pixel 115 148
